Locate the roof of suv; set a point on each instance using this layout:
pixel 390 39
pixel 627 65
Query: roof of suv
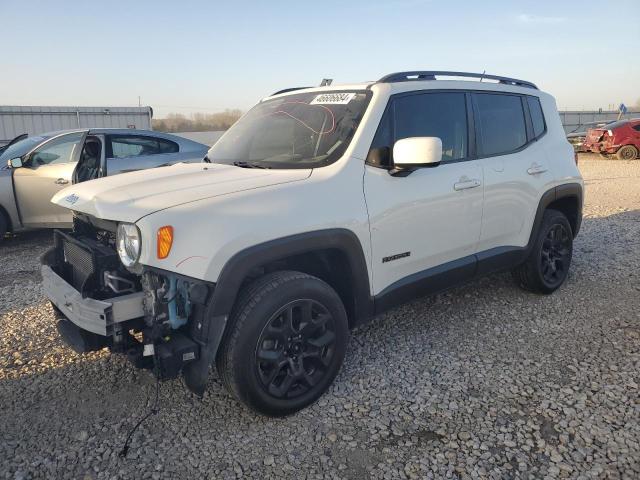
pixel 421 77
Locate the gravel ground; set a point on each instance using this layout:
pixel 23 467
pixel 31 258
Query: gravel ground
pixel 483 381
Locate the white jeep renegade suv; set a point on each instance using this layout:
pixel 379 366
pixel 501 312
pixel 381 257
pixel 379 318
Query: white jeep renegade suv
pixel 320 208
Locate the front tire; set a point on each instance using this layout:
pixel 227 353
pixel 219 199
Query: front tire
pixel 285 343
pixel 547 266
pixel 628 152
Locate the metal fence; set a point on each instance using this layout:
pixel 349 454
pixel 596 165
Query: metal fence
pixel 16 120
pixel 580 121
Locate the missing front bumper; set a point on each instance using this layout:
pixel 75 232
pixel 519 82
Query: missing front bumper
pixel 96 316
pixel 165 323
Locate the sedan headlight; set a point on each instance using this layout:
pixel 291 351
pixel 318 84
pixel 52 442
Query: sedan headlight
pixel 128 243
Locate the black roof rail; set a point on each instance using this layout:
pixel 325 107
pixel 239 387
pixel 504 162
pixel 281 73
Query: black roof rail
pixel 285 90
pixel 431 75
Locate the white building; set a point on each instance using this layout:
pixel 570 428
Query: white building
pixel 16 120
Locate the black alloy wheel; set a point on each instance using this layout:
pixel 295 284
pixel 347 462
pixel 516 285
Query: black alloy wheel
pixel 547 265
pixel 555 255
pixel 295 348
pixel 285 342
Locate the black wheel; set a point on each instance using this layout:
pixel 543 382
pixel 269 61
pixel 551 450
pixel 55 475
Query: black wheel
pixel 628 152
pixel 285 343
pixel 547 266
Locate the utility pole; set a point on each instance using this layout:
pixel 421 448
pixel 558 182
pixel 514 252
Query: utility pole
pixel 139 103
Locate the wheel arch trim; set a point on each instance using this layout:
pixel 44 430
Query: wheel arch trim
pixel 240 264
pixel 566 190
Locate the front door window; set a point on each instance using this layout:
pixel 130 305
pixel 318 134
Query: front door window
pixel 62 149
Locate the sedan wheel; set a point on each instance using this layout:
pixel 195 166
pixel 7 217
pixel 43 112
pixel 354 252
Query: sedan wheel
pixel 628 152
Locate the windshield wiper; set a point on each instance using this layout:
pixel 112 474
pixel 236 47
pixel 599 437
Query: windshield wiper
pixel 248 165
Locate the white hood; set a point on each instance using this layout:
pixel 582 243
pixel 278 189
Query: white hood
pixel 131 196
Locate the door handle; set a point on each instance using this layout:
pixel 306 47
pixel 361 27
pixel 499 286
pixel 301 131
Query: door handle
pixel 536 169
pixel 466 184
pixel 61 181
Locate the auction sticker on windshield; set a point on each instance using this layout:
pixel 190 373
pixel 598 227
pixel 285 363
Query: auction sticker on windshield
pixel 333 99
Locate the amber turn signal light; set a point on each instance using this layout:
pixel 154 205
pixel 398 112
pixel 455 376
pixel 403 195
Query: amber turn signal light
pixel 165 240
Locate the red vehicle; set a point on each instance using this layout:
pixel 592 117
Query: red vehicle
pixel 621 138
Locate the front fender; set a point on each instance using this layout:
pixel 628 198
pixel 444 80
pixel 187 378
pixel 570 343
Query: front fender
pixel 238 267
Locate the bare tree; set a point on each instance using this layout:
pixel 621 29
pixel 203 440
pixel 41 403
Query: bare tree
pixel 197 122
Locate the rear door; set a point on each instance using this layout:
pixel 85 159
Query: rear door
pixel 128 153
pixel 46 171
pixel 516 167
pixel 433 215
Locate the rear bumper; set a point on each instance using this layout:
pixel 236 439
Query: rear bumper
pixel 96 316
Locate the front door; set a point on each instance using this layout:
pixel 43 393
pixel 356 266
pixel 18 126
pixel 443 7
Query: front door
pixel 432 216
pixel 47 170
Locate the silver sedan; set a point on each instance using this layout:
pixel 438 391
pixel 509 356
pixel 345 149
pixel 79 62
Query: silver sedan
pixel 33 169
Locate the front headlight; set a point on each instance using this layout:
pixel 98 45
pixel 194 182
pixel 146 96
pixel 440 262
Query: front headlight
pixel 128 243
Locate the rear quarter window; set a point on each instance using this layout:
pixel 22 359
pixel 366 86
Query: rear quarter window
pixel 537 117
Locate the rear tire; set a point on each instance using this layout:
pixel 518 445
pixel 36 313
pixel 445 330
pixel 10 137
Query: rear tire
pixel 628 152
pixel 285 343
pixel 547 266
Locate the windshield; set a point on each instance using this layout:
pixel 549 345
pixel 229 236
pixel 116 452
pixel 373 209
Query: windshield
pixel 18 149
pixel 304 130
pixel 613 125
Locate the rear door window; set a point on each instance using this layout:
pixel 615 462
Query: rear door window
pixel 500 123
pixel 135 146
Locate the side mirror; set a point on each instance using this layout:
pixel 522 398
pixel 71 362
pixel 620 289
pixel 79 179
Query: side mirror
pixel 416 152
pixel 15 162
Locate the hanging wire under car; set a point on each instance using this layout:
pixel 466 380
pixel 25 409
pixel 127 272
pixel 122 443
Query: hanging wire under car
pixel 153 411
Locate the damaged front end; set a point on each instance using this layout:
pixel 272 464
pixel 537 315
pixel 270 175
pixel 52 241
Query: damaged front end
pixel 156 318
